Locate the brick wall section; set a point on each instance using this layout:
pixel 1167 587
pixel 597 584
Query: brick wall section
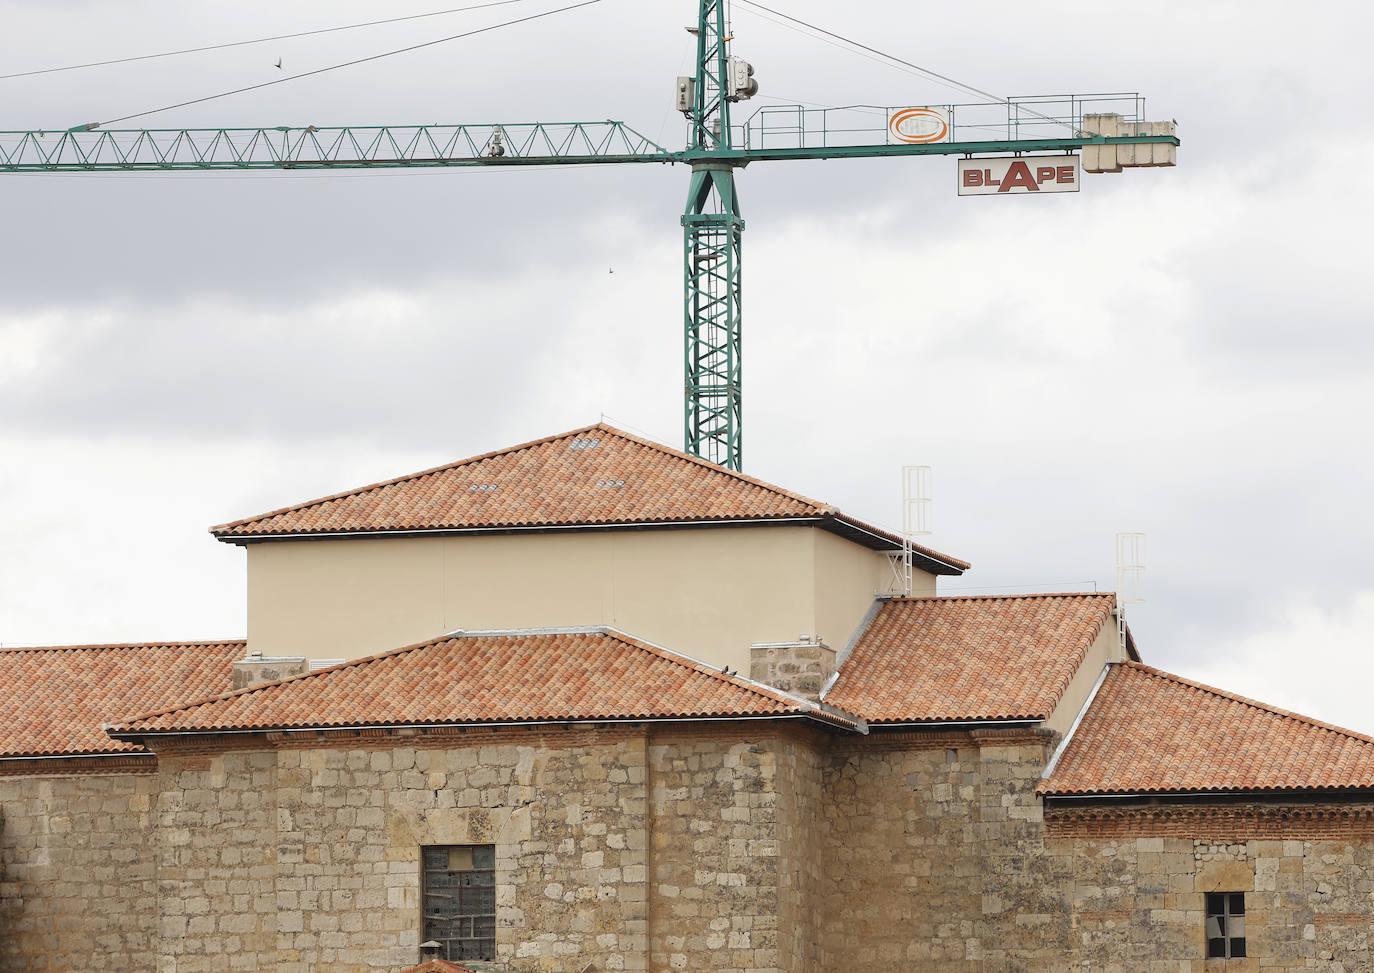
pixel 77 872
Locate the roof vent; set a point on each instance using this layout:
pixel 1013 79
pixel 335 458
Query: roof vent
pixel 482 488
pixel 585 442
pixel 610 483
pixel 317 664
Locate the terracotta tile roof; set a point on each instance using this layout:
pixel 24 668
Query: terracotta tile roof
pixel 536 676
pixel 987 658
pixel 596 476
pixel 438 966
pixel 53 699
pixel 1148 731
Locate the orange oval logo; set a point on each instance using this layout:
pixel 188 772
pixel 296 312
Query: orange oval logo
pixel 918 125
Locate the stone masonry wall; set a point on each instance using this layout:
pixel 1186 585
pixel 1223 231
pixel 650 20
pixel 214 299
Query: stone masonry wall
pixel 716 871
pixel 765 849
pixel 800 668
pixel 941 862
pixel 216 862
pixel 1139 903
pixel 77 872
pixel 801 869
pixel 902 852
pixel 318 853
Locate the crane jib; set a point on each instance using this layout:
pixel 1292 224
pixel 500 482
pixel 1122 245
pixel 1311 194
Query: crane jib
pixel 1108 129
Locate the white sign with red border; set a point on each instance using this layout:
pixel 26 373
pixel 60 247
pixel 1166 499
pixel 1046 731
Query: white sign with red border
pixel 917 126
pixel 1019 175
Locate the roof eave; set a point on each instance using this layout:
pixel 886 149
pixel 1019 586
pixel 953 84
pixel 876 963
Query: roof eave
pixel 71 755
pixel 976 722
pixel 1153 797
pixel 841 526
pixel 826 716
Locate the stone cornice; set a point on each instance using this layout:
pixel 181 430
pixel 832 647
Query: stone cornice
pixel 943 739
pixel 122 763
pixel 1218 822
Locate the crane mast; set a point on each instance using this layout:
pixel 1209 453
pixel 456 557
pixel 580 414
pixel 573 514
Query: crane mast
pixel 1109 130
pixel 712 231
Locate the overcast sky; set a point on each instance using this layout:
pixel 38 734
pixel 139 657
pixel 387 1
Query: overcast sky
pixel 1183 351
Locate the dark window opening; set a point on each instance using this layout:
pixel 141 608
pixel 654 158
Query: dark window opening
pixel 458 900
pixel 1225 925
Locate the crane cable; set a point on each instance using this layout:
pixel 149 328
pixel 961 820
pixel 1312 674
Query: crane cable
pixel 90 126
pixel 943 79
pixel 257 40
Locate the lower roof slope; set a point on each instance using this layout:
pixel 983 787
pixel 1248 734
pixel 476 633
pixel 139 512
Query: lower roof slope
pixel 924 660
pixel 1150 732
pixel 597 476
pixel 490 678
pixel 53 699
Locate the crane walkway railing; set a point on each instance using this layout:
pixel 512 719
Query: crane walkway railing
pixel 1016 119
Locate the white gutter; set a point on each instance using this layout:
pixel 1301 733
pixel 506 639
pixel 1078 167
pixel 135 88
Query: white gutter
pixel 1083 710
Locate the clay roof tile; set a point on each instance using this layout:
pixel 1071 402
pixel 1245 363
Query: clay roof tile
pixel 490 678
pixel 53 699
pixel 969 659
pixel 596 476
pixel 1151 732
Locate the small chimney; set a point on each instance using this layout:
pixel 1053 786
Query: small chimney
pixel 430 951
pixel 256 669
pixel 801 668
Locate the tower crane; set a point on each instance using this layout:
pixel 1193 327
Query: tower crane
pixel 1002 147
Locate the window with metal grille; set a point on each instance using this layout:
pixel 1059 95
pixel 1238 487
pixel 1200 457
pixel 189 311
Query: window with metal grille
pixel 458 900
pixel 1225 924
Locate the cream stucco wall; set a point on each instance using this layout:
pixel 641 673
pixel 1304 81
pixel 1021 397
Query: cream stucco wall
pixel 710 593
pixel 1105 648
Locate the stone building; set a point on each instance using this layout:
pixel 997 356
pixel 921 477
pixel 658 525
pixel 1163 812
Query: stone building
pixel 590 704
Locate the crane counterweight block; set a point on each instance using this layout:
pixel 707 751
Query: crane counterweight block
pixel 1115 157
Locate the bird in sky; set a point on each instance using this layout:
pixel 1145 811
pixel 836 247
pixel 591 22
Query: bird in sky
pixel 278 64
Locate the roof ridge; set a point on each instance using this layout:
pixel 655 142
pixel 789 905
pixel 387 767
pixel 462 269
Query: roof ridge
pixel 121 645
pixel 1247 701
pixel 796 704
pixel 734 679
pixel 442 468
pixel 821 508
pixel 259 687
